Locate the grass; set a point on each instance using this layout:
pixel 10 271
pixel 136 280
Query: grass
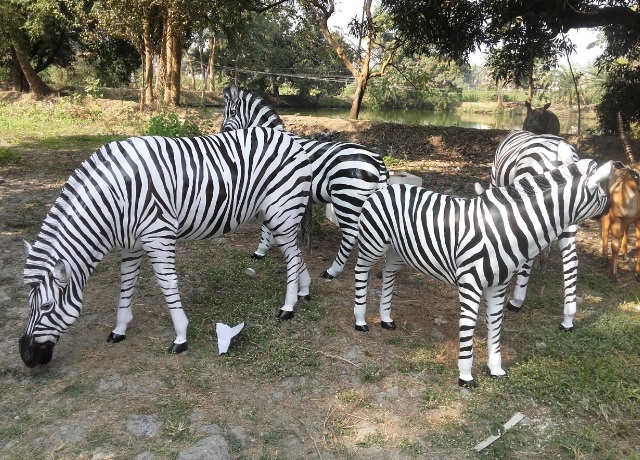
pixel 580 391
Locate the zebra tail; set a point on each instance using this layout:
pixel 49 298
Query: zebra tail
pixel 306 226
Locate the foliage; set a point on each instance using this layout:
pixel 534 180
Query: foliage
pixel 168 124
pixel 621 94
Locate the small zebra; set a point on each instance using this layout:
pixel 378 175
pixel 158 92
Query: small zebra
pixel 523 153
pixel 143 194
pixel 475 244
pixel 344 174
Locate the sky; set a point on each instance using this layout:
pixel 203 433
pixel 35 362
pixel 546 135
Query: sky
pixel 583 57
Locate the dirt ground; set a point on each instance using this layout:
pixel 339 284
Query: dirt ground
pixel 103 401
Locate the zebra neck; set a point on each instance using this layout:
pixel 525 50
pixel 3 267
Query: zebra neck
pixel 75 230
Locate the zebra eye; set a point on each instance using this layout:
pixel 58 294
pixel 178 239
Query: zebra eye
pixel 46 307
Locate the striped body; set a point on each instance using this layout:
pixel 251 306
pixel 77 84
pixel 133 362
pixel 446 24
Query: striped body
pixel 344 174
pixel 474 244
pixel 145 193
pixel 520 154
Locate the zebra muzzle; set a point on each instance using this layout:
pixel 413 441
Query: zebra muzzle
pixel 33 353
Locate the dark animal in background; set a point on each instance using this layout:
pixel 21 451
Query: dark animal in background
pixel 541 120
pixel 624 191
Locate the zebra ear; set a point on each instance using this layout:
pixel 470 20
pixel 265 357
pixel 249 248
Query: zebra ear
pixel 27 247
pixel 62 272
pixel 599 175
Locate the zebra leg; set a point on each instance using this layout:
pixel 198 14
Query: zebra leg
pixel 266 241
pixel 348 222
pixel 470 297
pixel 520 291
pixel 304 281
pixel 289 247
pixel 370 250
pixel 392 264
pixel 567 243
pixel 162 253
pixel 129 270
pixel 494 298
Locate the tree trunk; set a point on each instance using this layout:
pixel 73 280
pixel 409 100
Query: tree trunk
pixel 212 73
pixel 174 60
pixel 38 87
pixel 19 82
pixel 361 87
pixel 148 63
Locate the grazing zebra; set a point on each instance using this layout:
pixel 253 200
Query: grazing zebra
pixel 344 174
pixel 475 244
pixel 142 195
pixel 522 153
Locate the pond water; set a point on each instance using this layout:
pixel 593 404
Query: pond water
pixel 422 117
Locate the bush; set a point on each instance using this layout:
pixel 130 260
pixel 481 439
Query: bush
pixel 168 124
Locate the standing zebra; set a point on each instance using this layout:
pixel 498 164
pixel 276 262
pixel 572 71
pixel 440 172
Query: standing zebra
pixel 474 244
pixel 344 174
pixel 522 153
pixel 142 195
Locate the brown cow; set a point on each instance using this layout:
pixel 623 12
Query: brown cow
pixel 541 120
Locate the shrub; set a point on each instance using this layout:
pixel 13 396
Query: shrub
pixel 168 124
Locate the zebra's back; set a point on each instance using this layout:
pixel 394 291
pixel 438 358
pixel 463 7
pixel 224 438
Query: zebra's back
pixel 524 153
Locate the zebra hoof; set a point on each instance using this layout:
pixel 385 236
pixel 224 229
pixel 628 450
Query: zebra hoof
pixel 326 275
pixel 284 315
pixel 467 383
pixel 390 325
pixel 512 307
pixel 176 348
pixel 257 256
pixel 563 328
pixel 115 338
pixel 363 328
pixel 497 376
pixel 304 297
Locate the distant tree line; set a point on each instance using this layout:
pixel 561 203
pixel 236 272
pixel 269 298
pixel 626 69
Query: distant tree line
pixel 266 44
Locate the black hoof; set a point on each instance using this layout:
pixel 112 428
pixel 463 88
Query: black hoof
pixel 638 277
pixel 388 325
pixel 176 348
pixel 115 338
pixel 364 328
pixel 326 275
pixel 284 315
pixel 304 297
pixel 613 279
pixel 566 329
pixel 257 256
pixel 512 307
pixel 467 383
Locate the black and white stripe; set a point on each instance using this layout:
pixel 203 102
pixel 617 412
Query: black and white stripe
pixel 143 194
pixel 523 153
pixel 344 174
pixel 474 244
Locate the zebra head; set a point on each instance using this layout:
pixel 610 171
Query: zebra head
pixel 231 119
pixel 243 109
pixel 49 299
pixel 592 200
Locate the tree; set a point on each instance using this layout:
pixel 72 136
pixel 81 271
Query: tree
pixel 38 34
pixel 518 32
pixel 372 35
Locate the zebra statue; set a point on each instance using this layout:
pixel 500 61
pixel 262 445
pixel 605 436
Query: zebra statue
pixel 344 174
pixel 475 244
pixel 523 153
pixel 143 194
